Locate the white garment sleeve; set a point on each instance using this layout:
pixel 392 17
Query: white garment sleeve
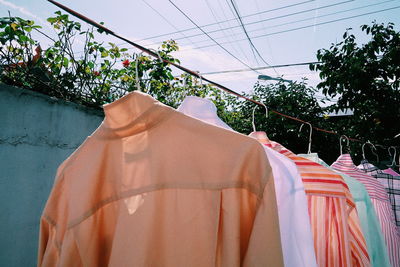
pixel 296 236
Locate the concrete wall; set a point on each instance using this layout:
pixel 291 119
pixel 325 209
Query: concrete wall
pixel 37 133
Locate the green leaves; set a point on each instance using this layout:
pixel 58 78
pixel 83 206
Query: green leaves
pixel 94 77
pixel 366 78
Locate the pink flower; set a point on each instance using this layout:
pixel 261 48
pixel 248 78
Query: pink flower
pixel 125 63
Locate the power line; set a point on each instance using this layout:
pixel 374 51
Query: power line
pixel 306 19
pixel 287 23
pixel 166 20
pixel 308 26
pixel 227 20
pixel 247 35
pixel 259 21
pixel 266 39
pixel 230 30
pixel 269 19
pixel 223 32
pixel 238 22
pixel 210 36
pixel 250 23
pixel 261 68
pixel 236 17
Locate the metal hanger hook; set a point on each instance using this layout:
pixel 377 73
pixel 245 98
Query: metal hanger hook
pixel 137 71
pixel 158 54
pixel 201 79
pixel 310 137
pixel 373 150
pixel 253 116
pixel 340 142
pixel 394 155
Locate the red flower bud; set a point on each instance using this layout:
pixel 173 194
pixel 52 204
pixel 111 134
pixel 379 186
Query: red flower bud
pixel 125 63
pixel 96 73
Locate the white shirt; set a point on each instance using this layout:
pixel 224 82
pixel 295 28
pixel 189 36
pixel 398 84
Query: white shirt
pixel 295 229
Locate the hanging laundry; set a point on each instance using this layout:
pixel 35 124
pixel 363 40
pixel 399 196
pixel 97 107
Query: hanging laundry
pixel 391 172
pixel 391 184
pixel 296 237
pixel 154 187
pixel 338 238
pixel 380 201
pixel 371 228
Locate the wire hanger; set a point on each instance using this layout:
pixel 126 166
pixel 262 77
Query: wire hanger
pixel 201 79
pixel 373 150
pixel 343 137
pixel 310 137
pixel 161 61
pixel 394 157
pixel 158 54
pixel 137 72
pixel 253 116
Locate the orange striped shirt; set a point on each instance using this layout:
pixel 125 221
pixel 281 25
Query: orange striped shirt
pixel 338 239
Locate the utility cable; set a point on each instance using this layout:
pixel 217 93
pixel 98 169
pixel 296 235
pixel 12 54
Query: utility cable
pixel 267 19
pixel 308 26
pixel 248 37
pixel 306 19
pixel 238 22
pixel 250 23
pixel 166 20
pixel 262 68
pixel 226 20
pixel 223 31
pixel 204 32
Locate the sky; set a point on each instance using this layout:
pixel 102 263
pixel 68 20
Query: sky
pixel 282 32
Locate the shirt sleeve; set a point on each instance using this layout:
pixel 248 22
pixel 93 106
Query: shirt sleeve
pixel 52 253
pixel 48 253
pixel 53 223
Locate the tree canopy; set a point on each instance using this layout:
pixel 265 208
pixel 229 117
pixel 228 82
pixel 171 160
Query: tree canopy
pixel 366 79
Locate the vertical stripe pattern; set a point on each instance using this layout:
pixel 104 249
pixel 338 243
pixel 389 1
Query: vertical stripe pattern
pixel 338 239
pixel 381 203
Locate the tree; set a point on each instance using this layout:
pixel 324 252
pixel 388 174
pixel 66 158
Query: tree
pixel 295 99
pixel 97 75
pixel 366 79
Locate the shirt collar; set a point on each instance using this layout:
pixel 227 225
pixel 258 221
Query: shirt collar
pixel 344 161
pixel 366 166
pixel 133 113
pixel 261 137
pixel 314 157
pixel 202 109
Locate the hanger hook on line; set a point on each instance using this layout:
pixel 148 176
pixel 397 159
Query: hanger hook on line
pixel 137 71
pixel 373 150
pixel 158 54
pixel 343 137
pixel 394 155
pixel 253 116
pixel 310 137
pixel 201 79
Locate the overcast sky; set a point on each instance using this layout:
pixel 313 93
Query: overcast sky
pixel 283 32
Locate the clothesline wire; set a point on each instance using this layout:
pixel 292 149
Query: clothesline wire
pixel 193 73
